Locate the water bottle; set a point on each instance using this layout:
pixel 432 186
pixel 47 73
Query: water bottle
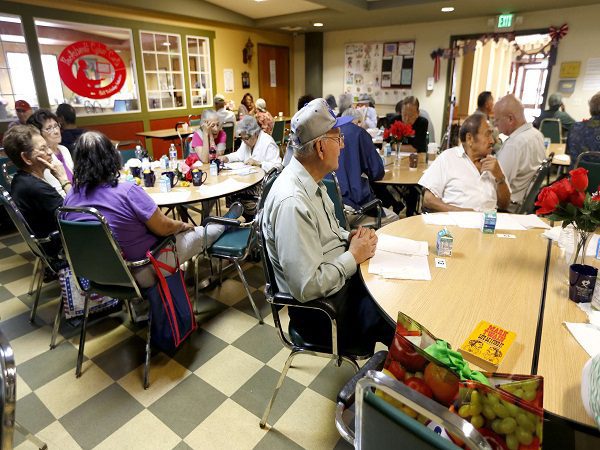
pixel 145 164
pixel 139 153
pixel 213 169
pixel 172 157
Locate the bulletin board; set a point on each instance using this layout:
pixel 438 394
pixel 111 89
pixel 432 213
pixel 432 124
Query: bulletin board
pixel 383 70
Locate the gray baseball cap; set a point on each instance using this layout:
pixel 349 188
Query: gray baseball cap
pixel 314 120
pixel 219 98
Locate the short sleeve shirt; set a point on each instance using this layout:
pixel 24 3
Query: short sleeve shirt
pixel 197 139
pixel 127 208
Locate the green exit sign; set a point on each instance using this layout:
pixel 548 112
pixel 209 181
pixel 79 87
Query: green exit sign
pixel 505 21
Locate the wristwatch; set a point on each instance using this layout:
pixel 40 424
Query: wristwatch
pixel 501 180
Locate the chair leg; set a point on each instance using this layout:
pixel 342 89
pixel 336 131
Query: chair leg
pixel 34 275
pixel 86 310
pixel 147 361
pixel 56 323
pixel 243 278
pixel 30 437
pixel 34 306
pixel 286 367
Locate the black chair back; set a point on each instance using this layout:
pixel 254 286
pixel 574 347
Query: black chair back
pixel 528 205
pixel 93 253
pixel 278 131
pixel 552 128
pixel 591 162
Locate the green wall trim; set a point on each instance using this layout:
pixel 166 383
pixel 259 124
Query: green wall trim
pixel 29 13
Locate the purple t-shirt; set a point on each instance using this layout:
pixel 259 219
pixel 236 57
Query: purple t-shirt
pixel 127 208
pixel 197 139
pixel 68 172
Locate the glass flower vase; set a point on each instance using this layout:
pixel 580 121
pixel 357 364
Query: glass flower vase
pixel 580 242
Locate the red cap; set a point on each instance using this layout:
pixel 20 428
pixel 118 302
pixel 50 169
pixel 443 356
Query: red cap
pixel 22 104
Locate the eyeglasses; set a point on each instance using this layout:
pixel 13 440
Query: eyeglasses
pixel 51 128
pixel 339 139
pixel 246 139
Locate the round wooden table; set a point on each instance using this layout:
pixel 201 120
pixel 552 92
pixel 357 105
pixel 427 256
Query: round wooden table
pixel 226 183
pixel 400 173
pixel 499 280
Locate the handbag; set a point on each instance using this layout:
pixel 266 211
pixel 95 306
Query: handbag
pixel 73 298
pixel 171 312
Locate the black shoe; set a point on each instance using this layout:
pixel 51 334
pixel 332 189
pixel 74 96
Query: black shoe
pixel 235 210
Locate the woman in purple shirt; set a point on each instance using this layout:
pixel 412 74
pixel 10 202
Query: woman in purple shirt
pixel 134 218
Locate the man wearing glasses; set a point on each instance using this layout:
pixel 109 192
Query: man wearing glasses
pixel 312 255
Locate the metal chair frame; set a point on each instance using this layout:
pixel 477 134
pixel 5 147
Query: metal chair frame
pixel 130 144
pixel 278 300
pixel 125 265
pixel 35 246
pixel 8 170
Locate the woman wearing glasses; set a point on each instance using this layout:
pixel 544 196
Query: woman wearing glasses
pixel 258 149
pixel 47 123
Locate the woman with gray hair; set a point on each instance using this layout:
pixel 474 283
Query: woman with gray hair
pixel 344 102
pixel 258 149
pixel 209 137
pixel 357 116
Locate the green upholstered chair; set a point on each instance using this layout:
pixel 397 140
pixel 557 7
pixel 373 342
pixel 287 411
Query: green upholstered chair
pixel 591 162
pixel 335 194
pixel 87 243
pixel 194 120
pixel 36 245
pixel 127 149
pixel 380 425
pixel 552 128
pixel 293 340
pixel 278 132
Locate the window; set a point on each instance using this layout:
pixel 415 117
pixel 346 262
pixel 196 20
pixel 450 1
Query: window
pixel 163 70
pixel 200 73
pixel 101 72
pixel 16 79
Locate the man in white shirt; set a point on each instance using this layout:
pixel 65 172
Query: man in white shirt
pixel 467 177
pixel 226 117
pixel 523 151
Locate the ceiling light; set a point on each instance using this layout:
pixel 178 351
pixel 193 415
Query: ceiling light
pixel 317 24
pixel 448 9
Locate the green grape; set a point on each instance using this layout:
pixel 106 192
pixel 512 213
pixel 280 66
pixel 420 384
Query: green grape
pixel 508 387
pixel 531 386
pixel 512 442
pixel 529 395
pixel 538 430
pixel 464 411
pixel 475 409
pixel 513 410
pixel 524 422
pixel 508 425
pixel 488 412
pixel 475 397
pixel 500 410
pixel 496 425
pixel 477 421
pixel 518 393
pixel 493 399
pixel 524 436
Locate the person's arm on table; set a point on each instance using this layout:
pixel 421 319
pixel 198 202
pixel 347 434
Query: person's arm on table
pixel 301 256
pixel 436 204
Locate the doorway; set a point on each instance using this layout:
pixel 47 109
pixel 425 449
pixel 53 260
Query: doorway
pixel 274 77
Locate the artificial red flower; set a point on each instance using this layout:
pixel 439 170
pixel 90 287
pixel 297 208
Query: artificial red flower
pixel 579 179
pixel 547 201
pixel 563 189
pixel 577 198
pixel 398 131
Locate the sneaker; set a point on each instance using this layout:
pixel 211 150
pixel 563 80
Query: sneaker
pixel 235 210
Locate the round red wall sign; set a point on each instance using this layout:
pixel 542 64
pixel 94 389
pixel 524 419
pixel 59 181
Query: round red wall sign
pixel 74 69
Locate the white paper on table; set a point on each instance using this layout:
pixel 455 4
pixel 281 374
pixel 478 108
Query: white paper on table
pixel 438 219
pixel 587 335
pixel 402 267
pixel 242 171
pixel 222 188
pixel 562 158
pixel 169 198
pixel 508 222
pixel 593 315
pixel 553 233
pixel 467 219
pixel 530 221
pixel 395 244
pixel 404 154
pixel 235 165
pixel 565 237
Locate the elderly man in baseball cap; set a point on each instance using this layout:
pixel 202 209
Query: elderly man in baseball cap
pixel 312 255
pixel 226 117
pixel 24 111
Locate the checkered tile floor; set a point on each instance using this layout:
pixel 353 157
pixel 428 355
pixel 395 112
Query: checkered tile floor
pixel 210 394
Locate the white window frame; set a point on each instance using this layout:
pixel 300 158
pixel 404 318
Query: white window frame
pixel 197 92
pixel 157 72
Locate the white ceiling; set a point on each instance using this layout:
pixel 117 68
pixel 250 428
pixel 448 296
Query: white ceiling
pixel 266 8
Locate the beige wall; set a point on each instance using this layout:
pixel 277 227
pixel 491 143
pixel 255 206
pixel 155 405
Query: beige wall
pixel 582 42
pixel 299 73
